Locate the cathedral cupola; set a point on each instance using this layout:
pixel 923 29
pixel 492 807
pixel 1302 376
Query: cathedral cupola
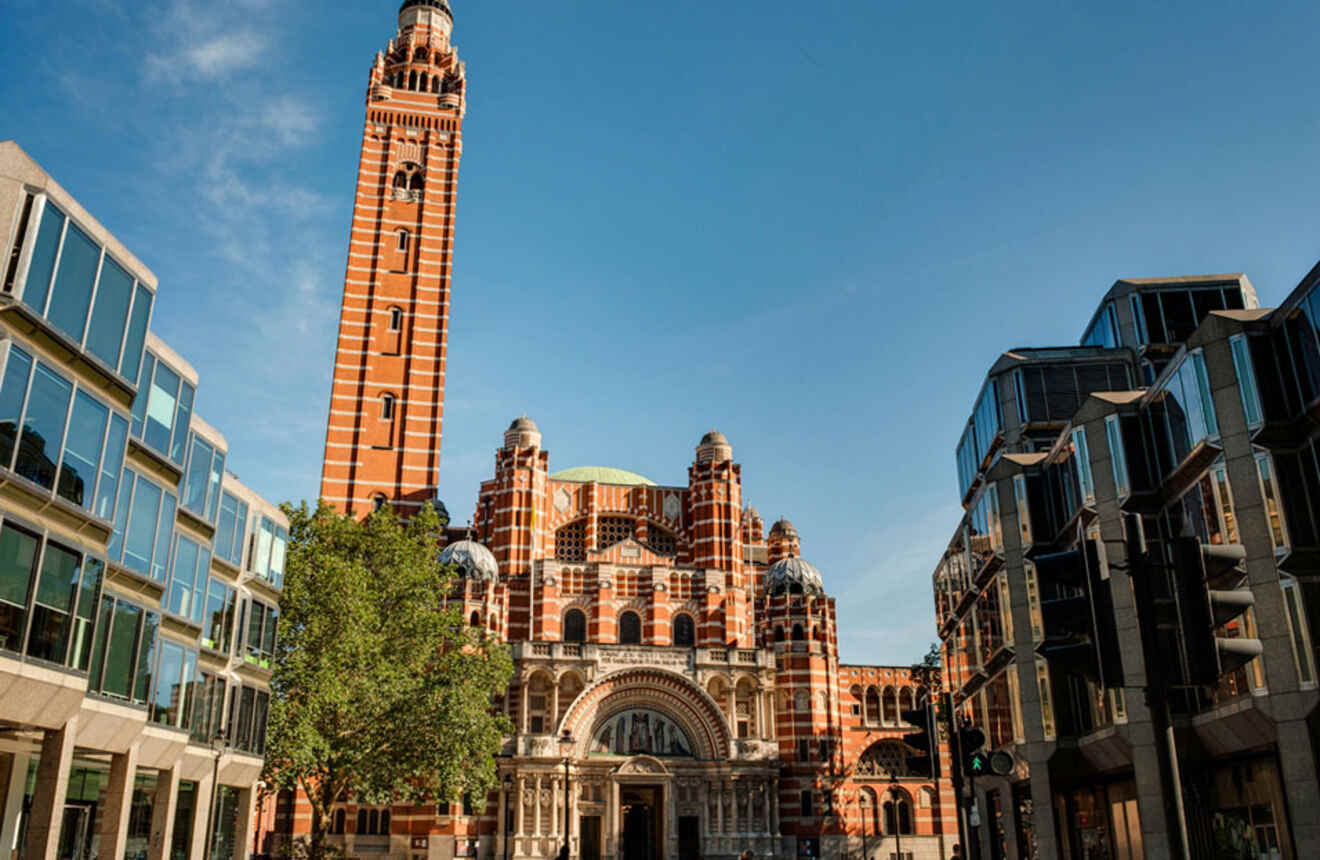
pixel 473 560
pixel 794 575
pixel 714 448
pixel 522 433
pixel 783 542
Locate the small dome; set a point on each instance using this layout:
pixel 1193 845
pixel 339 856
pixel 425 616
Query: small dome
pixel 433 4
pixel 714 437
pixel 783 527
pixel 522 433
pixel 788 572
pixel 714 448
pixel 472 559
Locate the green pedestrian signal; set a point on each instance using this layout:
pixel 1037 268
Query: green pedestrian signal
pixel 978 763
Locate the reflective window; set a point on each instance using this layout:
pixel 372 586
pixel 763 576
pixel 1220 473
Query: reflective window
pixel 1246 376
pixel 1301 634
pixel 53 603
pixel 1269 491
pixel 162 410
pixel 82 449
pixel 267 559
pixel 87 284
pixel 174 686
pixel 13 392
pixel 248 712
pixel 261 625
pixel 217 632
pixel 1104 332
pixel 144 524
pixel 111 464
pixel 1082 460
pixel 201 489
pixel 43 427
pixel 1117 457
pixel 71 294
pixel 125 647
pixel 42 266
pixel 230 529
pixel 114 295
pixel 18 559
pixel 1185 410
pixel 192 564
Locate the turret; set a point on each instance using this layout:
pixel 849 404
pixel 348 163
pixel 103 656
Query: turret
pixel 507 518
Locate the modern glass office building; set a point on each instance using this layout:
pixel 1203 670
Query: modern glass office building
pixel 1123 747
pixel 139 580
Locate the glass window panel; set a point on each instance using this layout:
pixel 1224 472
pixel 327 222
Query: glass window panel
pixel 1246 380
pixel 118 677
pixel 43 427
pixel 203 569
pixel 102 643
pixel 12 393
pixel 1300 634
pixel 256 616
pixel 115 547
pixel 141 535
pixel 1153 317
pixel 224 529
pixel 268 636
pixel 1277 533
pixel 264 539
pixel 71 294
pixel 199 470
pixel 219 615
pixel 213 485
pixel 136 336
pixel 184 575
pixel 182 421
pixel 277 549
pixel 146 656
pixel 57 588
pixel 42 265
pixel 1202 380
pixel 240 535
pixel 190 688
pixel 166 693
pixel 160 408
pixel 1117 457
pixel 163 536
pixel 259 737
pixel 82 449
pixel 81 651
pixel 111 463
pixel 1179 316
pixel 143 394
pixel 18 556
pixel 114 293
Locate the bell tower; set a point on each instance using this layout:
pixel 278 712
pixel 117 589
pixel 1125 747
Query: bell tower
pixel 388 394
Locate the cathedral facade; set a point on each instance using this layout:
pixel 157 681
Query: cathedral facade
pixel 678 691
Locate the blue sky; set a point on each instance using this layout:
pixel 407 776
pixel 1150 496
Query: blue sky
pixel 812 226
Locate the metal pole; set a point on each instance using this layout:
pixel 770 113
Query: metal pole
pixel 508 812
pixel 567 799
pixel 866 851
pixel 898 818
pixel 210 812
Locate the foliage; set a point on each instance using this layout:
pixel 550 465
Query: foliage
pixel 381 692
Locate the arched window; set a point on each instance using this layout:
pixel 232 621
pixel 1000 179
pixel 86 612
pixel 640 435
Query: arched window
pixel 905 818
pixel 685 633
pixel 415 183
pixel 373 822
pixel 872 706
pixel 412 81
pixel 435 84
pixel 339 822
pixel 891 819
pixel 798 635
pixel 779 634
pixel 575 626
pixel 379 501
pixel 890 701
pixel 361 822
pixel 404 236
pixel 400 180
pixel 387 407
pixel 475 620
pixel 396 319
pixel 384 821
pixel 630 628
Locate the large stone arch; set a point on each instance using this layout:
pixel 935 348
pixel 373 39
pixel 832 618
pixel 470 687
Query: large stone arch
pixel 680 699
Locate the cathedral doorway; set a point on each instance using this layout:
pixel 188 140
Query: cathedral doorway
pixel 643 821
pixel 589 837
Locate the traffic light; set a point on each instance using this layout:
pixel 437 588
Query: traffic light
pixel 1212 593
pixel 926 739
pixel 970 742
pixel 1077 614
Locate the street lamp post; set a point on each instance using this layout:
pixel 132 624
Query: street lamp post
pixel 898 818
pixel 866 852
pixel 566 741
pixel 218 746
pixel 508 811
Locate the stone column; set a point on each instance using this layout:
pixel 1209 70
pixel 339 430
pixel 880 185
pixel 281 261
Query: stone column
pixel 162 813
pixel 246 826
pixel 118 803
pixel 202 805
pixel 43 831
pixel 13 803
pixel 554 707
pixel 733 719
pixel 718 791
pixel 521 789
pixel 522 706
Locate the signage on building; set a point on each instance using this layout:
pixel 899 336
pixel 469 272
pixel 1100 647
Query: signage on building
pixel 421 843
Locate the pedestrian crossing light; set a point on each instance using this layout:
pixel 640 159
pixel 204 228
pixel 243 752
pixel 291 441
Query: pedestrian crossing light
pixel 971 740
pixel 925 740
pixel 1213 597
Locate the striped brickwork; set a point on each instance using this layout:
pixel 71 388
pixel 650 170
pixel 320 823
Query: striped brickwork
pixel 387 397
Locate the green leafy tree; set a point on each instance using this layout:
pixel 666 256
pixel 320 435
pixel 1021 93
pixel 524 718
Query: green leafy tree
pixel 381 691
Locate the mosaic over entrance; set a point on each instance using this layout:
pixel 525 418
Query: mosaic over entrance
pixel 640 731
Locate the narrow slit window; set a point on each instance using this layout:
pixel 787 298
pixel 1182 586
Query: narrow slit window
pixel 387 407
pixel 404 238
pixel 396 319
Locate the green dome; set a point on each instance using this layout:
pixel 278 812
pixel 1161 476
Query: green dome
pixel 602 475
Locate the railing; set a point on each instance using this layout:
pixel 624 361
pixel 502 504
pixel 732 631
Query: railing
pixel 407 195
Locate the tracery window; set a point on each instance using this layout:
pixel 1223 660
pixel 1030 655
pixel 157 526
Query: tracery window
pixel 661 541
pixel 884 758
pixel 612 530
pixel 571 542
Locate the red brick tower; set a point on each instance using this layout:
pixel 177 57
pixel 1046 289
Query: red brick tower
pixel 715 484
pixel 388 395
